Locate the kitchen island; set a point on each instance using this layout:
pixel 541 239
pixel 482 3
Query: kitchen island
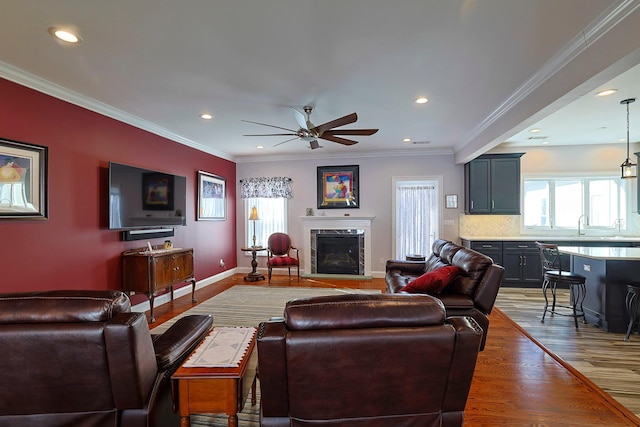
pixel 608 271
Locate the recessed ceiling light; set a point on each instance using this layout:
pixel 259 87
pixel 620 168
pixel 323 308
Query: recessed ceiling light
pixel 421 100
pixel 260 147
pixel 64 35
pixel 406 140
pixel 206 116
pixel 535 130
pixel 606 92
pixel 545 142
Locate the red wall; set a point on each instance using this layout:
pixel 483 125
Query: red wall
pixel 73 249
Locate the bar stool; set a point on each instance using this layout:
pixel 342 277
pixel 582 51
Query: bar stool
pixel 554 276
pixel 631 301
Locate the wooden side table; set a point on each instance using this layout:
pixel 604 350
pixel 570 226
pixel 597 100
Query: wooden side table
pixel 254 276
pixel 216 390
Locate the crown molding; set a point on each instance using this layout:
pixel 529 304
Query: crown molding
pixel 608 20
pixel 36 83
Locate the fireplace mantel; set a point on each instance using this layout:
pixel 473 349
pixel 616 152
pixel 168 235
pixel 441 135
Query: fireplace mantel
pixel 336 223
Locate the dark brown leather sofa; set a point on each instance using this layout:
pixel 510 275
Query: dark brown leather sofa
pixel 472 294
pixel 82 359
pixel 366 360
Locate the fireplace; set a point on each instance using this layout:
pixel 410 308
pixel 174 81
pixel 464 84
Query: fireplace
pixel 347 228
pixel 338 254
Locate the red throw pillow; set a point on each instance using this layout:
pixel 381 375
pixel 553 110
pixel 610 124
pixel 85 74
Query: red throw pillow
pixel 433 282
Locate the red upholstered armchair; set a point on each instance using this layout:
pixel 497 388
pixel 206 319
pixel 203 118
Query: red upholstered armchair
pixel 279 254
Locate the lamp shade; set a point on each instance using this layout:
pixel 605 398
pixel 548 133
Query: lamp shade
pixel 254 214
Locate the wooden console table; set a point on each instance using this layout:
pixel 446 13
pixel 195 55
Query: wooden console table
pixel 149 272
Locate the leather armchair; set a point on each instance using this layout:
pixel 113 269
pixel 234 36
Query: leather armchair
pixel 81 358
pixel 366 360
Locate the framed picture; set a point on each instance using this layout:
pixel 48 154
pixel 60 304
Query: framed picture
pixel 157 191
pixel 338 187
pixel 451 201
pixel 212 197
pixel 23 180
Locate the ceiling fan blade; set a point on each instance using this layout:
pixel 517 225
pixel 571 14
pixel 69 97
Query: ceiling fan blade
pixel 300 118
pixel 271 126
pixel 269 134
pixel 280 143
pixel 337 139
pixel 363 132
pixel 345 120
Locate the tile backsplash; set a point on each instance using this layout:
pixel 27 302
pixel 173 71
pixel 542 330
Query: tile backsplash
pixel 509 226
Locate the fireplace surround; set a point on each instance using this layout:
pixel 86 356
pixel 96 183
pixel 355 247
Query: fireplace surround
pixel 359 227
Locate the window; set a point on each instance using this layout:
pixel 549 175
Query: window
pixel 416 216
pixel 272 214
pixel 561 203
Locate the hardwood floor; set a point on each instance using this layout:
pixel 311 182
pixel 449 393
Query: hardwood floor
pixel 516 382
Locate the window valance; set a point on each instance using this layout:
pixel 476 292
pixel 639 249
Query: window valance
pixel 267 187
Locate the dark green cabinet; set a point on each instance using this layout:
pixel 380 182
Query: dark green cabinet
pixel 492 184
pixel 490 249
pixel 522 264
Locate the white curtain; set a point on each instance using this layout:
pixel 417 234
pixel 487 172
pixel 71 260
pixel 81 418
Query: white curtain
pixel 416 214
pixel 273 218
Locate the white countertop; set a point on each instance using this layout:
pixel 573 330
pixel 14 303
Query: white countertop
pixel 605 253
pixel 553 239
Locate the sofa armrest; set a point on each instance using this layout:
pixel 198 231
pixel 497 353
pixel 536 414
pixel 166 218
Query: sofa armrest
pixel 408 267
pixel 468 338
pixel 488 289
pixel 177 342
pixel 272 369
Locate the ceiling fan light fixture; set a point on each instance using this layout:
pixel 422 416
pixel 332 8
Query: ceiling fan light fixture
pixel 628 169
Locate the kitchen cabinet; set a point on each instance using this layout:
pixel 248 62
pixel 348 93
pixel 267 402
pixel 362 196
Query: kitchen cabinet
pixel 522 264
pixel 490 249
pixel 492 184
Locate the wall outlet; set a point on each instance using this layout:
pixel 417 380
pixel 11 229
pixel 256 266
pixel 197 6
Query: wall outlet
pixel 448 222
pixel 221 263
pixel 381 260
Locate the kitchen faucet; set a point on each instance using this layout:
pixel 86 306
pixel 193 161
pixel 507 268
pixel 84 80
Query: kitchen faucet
pixel 580 218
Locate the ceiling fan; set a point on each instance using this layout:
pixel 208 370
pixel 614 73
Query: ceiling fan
pixel 311 133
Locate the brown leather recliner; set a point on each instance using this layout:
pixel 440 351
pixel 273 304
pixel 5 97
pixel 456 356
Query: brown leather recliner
pixel 473 293
pixel 366 360
pixel 81 358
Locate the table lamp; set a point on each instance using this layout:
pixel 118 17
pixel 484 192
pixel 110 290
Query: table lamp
pixel 254 217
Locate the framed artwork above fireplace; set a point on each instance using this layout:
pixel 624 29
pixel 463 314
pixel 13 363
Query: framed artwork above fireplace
pixel 338 187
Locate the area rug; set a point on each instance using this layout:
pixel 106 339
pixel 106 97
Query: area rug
pixel 245 305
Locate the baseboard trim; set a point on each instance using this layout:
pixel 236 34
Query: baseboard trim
pixel 185 290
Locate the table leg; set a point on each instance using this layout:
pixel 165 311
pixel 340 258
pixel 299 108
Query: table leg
pixel 253 392
pixel 185 421
pixel 233 420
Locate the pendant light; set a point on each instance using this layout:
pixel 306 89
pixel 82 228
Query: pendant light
pixel 629 170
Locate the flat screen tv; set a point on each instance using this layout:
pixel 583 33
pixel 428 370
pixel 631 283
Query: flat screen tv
pixel 143 198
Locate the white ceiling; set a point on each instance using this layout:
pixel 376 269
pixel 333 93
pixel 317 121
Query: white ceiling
pixel 492 69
